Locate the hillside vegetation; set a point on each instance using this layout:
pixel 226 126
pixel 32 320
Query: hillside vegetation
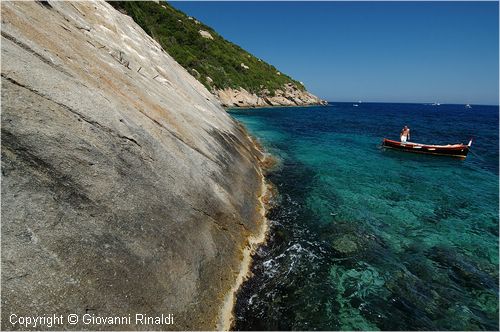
pixel 214 61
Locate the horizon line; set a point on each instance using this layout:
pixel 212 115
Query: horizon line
pixel 407 102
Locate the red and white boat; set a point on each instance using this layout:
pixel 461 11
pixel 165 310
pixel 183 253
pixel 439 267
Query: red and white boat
pixel 451 150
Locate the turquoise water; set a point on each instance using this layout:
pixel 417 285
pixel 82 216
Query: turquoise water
pixel 367 239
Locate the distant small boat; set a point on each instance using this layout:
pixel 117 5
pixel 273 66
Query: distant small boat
pixel 451 150
pixel 436 104
pixel 355 105
pixel 468 106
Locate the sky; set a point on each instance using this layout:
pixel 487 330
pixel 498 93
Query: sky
pixel 443 52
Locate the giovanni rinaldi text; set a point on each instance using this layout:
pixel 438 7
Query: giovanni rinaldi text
pixel 89 319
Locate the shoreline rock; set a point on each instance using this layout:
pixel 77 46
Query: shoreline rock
pixel 126 187
pixel 289 95
pixel 226 315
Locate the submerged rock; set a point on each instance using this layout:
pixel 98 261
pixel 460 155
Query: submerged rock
pixel 463 270
pixel 345 245
pixel 353 239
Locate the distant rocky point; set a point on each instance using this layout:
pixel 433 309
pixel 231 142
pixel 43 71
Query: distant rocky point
pixel 289 95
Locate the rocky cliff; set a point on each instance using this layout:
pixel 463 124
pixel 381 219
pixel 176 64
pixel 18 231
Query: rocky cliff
pixel 289 95
pixel 237 77
pixel 126 188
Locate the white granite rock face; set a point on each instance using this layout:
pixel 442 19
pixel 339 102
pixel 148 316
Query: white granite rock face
pixel 205 34
pixel 126 188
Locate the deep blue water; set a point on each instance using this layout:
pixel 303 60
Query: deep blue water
pixel 363 238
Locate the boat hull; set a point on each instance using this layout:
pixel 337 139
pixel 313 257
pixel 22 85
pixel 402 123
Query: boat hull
pixel 455 150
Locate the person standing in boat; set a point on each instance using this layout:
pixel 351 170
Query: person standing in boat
pixel 405 134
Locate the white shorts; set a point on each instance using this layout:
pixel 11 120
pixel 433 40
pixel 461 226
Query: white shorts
pixel 404 138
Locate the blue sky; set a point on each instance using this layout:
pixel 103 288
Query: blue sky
pixel 372 51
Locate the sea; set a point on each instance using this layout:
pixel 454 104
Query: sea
pixel 364 238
